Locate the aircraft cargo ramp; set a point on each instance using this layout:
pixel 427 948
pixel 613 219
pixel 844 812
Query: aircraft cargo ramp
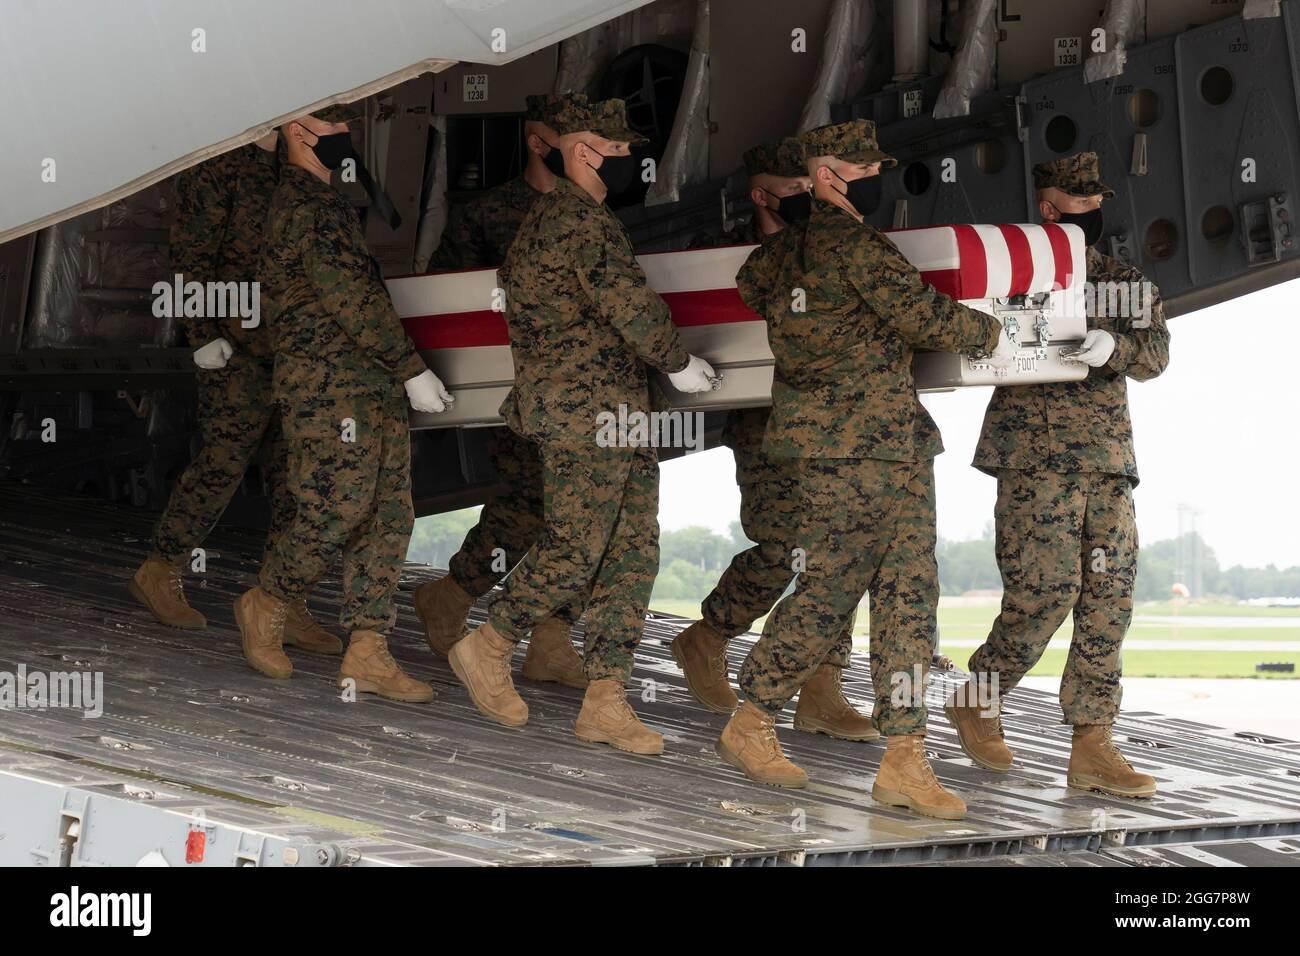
pixel 197 758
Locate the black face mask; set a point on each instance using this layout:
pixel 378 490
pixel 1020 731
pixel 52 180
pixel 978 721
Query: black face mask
pixel 1091 222
pixel 554 160
pixel 333 150
pixel 793 208
pixel 863 194
pixel 616 172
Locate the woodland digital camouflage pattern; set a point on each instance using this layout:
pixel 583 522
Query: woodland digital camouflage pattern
pixel 769 516
pixel 780 158
pixel 868 527
pixel 237 416
pixel 608 118
pixel 845 408
pixel 544 107
pixel 583 323
pixel 217 235
pixel 1078 175
pixel 480 230
pixel 1084 425
pixel 1064 542
pixel 769 487
pixel 600 536
pixel 843 385
pixel 342 357
pixel 583 327
pixel 1066 531
pixel 853 142
pixel 511 522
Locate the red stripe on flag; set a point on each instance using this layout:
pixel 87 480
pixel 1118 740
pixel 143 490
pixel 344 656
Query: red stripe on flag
pixel 708 307
pixel 973 274
pixel 457 330
pixel 467 330
pixel 1061 254
pixel 1022 259
pixel 947 281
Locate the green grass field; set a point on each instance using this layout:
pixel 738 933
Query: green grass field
pixel 963 624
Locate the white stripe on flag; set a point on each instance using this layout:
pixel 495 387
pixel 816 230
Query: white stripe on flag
pixel 930 250
pixel 442 294
pixel 698 270
pixel 1040 249
pixel 998 258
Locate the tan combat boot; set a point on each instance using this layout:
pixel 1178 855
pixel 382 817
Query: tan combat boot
pixel 482 662
pixel 823 710
pixel 1097 764
pixel 749 744
pixel 157 585
pixel 373 671
pixel 552 657
pixel 607 718
pixel 701 653
pixel 260 617
pixel 980 736
pixel 302 631
pixel 443 607
pixel 905 779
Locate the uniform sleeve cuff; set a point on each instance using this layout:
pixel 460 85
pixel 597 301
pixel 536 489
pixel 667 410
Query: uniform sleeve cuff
pixel 1122 357
pixel 412 367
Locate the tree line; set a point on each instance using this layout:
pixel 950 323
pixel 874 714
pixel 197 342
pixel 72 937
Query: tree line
pixel 691 560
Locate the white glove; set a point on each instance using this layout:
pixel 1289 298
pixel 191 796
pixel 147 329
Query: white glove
pixel 698 376
pixel 214 355
pixel 427 393
pixel 1003 356
pixel 1097 348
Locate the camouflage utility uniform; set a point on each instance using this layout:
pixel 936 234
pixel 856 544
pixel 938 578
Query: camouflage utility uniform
pixel 769 487
pixel 479 231
pixel 217 235
pixel 1066 535
pixel 478 235
pixel 342 357
pixel 583 327
pixel 844 409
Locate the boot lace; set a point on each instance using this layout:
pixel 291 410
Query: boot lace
pixel 385 656
pixel 1113 754
pixel 174 583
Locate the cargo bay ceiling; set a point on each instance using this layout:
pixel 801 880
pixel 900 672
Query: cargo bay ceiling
pixel 103 99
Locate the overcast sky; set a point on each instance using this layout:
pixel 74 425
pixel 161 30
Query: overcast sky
pixel 1220 430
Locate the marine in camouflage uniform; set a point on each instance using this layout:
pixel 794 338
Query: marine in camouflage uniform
pixel 217 236
pixel 845 314
pixel 341 359
pixel 1066 535
pixel 769 513
pixel 584 327
pixel 477 236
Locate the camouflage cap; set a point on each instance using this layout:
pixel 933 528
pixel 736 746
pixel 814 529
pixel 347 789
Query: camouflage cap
pixel 853 142
pixel 1078 175
pixel 606 117
pixel 342 112
pixel 542 107
pixel 783 158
